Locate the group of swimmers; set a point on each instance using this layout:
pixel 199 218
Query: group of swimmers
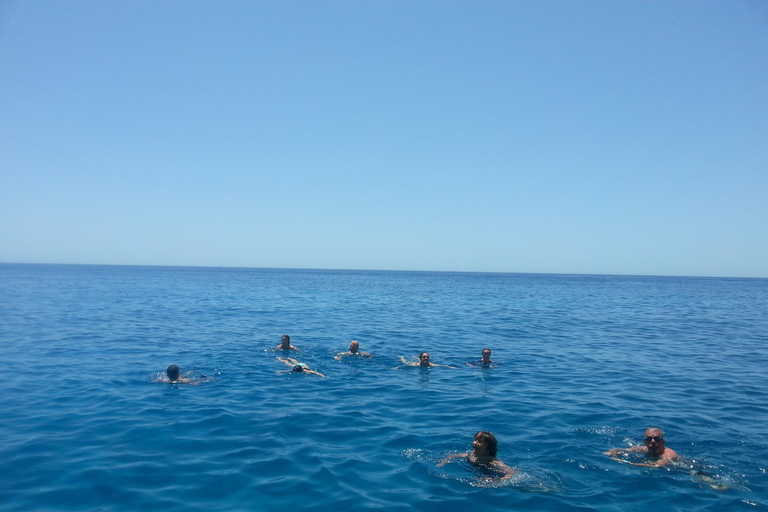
pixel 484 445
pixel 354 350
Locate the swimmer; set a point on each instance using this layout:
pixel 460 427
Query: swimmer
pixel 285 344
pixel 297 367
pixel 483 453
pixel 485 361
pixel 173 376
pixel 654 448
pixel 354 350
pixel 423 362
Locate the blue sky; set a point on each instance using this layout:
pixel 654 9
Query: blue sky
pixel 557 137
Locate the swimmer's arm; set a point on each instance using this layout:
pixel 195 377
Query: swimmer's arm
pixel 508 471
pixel 340 355
pixel 616 451
pixel 405 363
pixel 450 457
pixel 643 464
pixel 443 365
pixel 313 371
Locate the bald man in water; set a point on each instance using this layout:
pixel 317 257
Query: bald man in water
pixel 354 350
pixel 653 447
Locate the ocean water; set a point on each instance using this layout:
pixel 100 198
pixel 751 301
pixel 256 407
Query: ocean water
pixel 586 363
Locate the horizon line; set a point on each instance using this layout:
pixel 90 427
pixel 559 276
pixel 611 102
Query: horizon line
pixel 380 270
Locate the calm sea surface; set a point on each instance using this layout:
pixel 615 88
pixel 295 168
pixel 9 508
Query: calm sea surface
pixel 587 363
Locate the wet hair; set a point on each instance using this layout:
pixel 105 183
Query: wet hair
pixel 172 372
pixel 483 351
pixel 422 354
pixel 489 440
pixel 298 368
pixel 285 338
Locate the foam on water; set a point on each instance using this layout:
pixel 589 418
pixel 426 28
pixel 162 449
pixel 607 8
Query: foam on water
pixel 589 363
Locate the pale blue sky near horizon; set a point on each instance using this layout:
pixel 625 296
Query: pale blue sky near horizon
pixel 551 137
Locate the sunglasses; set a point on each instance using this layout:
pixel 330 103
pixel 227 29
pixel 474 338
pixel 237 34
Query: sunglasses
pixel 658 439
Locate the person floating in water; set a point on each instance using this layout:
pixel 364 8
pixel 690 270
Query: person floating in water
pixel 354 350
pixel 485 361
pixel 173 376
pixel 285 344
pixel 654 448
pixel 423 362
pixel 483 454
pixel 297 367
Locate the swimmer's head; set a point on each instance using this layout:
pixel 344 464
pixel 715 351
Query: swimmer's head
pixel 298 368
pixel 285 340
pixel 354 347
pixel 485 444
pixel 424 359
pixel 654 441
pixel 172 372
pixel 486 354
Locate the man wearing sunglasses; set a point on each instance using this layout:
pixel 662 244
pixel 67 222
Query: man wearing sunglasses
pixel 654 448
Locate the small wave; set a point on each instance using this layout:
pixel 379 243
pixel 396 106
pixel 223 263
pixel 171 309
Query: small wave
pixel 601 431
pixel 418 454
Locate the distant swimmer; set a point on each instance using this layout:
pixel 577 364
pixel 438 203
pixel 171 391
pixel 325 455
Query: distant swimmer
pixel 297 367
pixel 654 448
pixel 354 350
pixel 285 344
pixel 483 454
pixel 485 361
pixel 173 376
pixel 422 362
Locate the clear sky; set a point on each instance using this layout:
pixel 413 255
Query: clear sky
pixel 502 136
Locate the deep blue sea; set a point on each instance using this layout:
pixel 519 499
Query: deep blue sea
pixel 586 363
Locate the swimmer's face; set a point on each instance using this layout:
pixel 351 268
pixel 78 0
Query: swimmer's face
pixel 654 441
pixel 479 446
pixel 486 355
pixel 424 359
pixel 285 341
pixel 354 347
